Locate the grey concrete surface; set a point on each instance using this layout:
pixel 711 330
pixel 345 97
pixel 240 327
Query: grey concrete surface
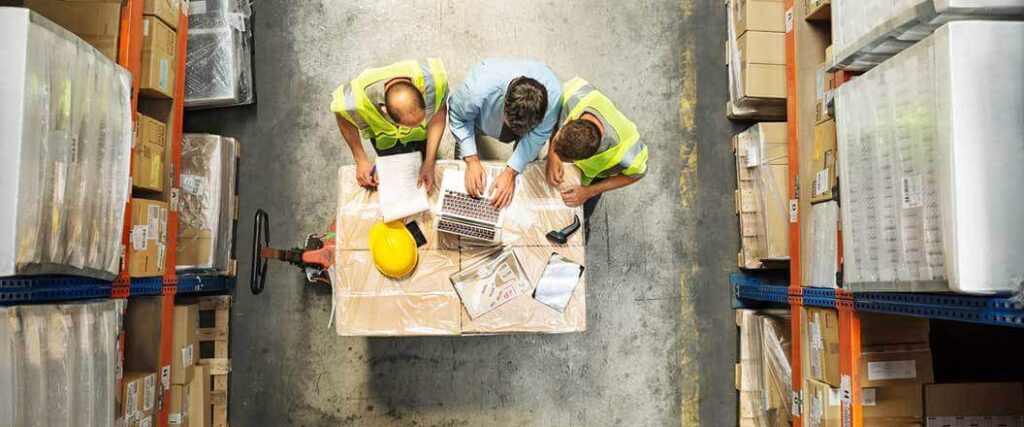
pixel 660 343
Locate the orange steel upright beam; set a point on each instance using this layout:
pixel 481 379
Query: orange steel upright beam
pixel 129 56
pixel 849 361
pixel 795 289
pixel 171 256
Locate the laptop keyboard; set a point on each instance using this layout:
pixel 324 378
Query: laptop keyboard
pixel 466 230
pixel 463 205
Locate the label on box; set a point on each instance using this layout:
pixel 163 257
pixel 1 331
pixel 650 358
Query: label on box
pixel 193 184
pixel 894 370
pixel 161 250
pixel 186 355
pixel 789 20
pixel 912 192
pixel 138 237
pixel 821 183
pixel 815 328
pixel 794 208
pixel 197 7
pixel 131 400
pixel 165 69
pixel 833 396
pixel 149 392
pixel 165 377
pixel 153 221
pixel 145 28
pixel 867 397
pixel 163 224
pixel 817 410
pixel 175 193
pixel 174 419
pixel 845 390
pixel 797 402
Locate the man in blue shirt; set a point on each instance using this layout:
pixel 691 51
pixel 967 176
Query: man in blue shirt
pixel 512 100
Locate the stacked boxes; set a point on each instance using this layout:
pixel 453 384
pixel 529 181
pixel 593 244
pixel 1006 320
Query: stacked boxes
pixel 818 10
pixel 206 210
pixel 97 22
pixel 148 240
pixel 931 164
pixel 167 10
pixel 184 358
pixel 756 57
pixel 148 154
pixel 138 398
pixel 974 404
pixel 762 171
pixel 158 55
pixel 763 374
pixel 66 181
pixel 425 303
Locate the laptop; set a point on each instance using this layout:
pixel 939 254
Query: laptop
pixel 462 214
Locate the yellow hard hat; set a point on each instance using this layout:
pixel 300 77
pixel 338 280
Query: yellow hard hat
pixel 393 249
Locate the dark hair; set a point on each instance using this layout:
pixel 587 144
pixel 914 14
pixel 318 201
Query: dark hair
pixel 408 90
pixel 526 101
pixel 578 140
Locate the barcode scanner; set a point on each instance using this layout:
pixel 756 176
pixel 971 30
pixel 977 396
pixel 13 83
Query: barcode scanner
pixel 562 236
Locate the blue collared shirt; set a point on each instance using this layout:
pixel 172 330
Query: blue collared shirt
pixel 479 103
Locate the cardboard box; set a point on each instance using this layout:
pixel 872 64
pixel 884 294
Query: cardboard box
pixel 825 83
pixel 758 15
pixel 764 81
pixel 167 10
pixel 158 59
pixel 761 47
pixel 199 410
pixel 148 155
pixel 148 240
pixel 822 403
pixel 818 10
pixel 823 160
pixel 145 421
pixel 895 365
pixel 822 337
pixel 892 405
pixel 133 395
pixel 178 409
pixel 96 22
pixel 945 401
pixel 184 343
pixel 879 330
pixel 762 195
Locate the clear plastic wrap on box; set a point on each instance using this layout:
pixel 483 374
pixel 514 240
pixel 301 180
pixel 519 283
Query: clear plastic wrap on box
pixel 740 104
pixel 61 363
pixel 765 375
pixel 931 164
pixel 66 124
pixel 219 60
pixel 824 244
pixel 867 32
pixel 425 303
pixel 206 208
pixel 762 173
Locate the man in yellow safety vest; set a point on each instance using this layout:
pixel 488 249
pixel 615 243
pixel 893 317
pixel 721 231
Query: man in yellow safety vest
pixel 400 108
pixel 599 139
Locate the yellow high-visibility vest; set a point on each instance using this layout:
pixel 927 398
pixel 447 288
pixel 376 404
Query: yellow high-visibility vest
pixel 352 103
pixel 628 156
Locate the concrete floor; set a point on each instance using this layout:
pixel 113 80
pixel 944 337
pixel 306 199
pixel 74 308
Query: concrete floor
pixel 660 344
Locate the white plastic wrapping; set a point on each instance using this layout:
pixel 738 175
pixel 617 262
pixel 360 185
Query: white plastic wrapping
pixel 824 244
pixel 866 32
pixel 931 163
pixel 60 364
pixel 206 208
pixel 762 170
pixel 765 374
pixel 65 140
pixel 218 68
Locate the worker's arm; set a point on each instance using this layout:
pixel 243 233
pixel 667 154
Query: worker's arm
pixel 435 130
pixel 578 195
pixel 555 172
pixel 364 169
pixel 463 109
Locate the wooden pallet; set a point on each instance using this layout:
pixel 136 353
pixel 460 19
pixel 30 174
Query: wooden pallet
pixel 219 366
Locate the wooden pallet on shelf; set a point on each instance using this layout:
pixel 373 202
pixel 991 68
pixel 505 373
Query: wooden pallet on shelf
pixel 218 366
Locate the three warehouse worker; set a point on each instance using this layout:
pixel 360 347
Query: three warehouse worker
pixel 403 107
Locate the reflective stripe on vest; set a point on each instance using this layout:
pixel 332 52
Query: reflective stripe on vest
pixel 430 79
pixel 628 157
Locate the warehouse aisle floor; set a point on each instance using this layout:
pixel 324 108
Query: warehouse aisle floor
pixel 659 347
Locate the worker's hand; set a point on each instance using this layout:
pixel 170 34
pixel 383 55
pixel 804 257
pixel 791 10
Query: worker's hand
pixel 475 176
pixel 503 188
pixel 576 195
pixel 426 178
pixel 365 174
pixel 555 172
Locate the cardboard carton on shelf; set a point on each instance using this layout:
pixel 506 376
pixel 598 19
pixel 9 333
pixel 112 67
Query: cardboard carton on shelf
pixel 762 170
pixel 97 22
pixel 184 343
pixel 822 403
pixel 1001 403
pixel 758 15
pixel 199 414
pixel 148 239
pixel 148 157
pixel 178 409
pixel 761 47
pixel 764 81
pixel 167 10
pixel 158 59
pixel 823 160
pixel 821 326
pixel 818 10
pixel 824 84
pixel 133 395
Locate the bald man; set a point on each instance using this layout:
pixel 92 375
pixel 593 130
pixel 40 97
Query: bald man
pixel 399 108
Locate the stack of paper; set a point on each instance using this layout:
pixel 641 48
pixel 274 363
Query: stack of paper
pixel 399 196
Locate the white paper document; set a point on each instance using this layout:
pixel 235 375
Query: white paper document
pixel 559 280
pixel 399 196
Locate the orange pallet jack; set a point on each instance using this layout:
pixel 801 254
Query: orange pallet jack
pixel 315 258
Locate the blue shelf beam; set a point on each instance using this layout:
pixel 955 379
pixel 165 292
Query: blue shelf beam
pixel 195 284
pixel 45 289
